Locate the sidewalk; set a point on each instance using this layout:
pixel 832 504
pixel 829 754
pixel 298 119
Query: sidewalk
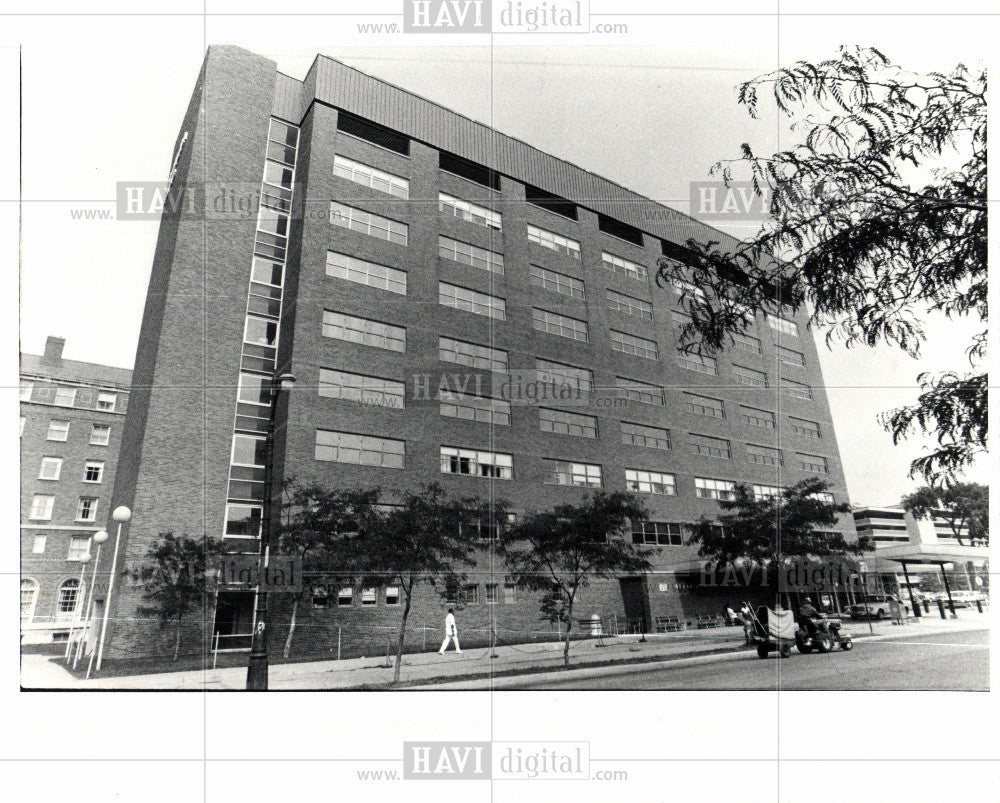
pixel 473 665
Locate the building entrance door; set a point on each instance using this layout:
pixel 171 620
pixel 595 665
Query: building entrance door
pixel 635 601
pixel 233 620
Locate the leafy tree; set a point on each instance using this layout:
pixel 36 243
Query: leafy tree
pixel 767 533
pixel 964 506
pixel 179 576
pixel 422 540
pixel 316 526
pixel 877 216
pixel 560 551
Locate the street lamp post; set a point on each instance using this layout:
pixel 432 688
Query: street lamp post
pixel 257 665
pixel 99 538
pixel 78 608
pixel 121 515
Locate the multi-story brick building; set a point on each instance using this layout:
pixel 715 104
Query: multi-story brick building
pixel 71 427
pixel 398 241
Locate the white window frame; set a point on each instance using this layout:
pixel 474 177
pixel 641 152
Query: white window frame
pixel 715 447
pixel 29 585
pixel 38 544
pixel 471 255
pixel 481 464
pixel 470 407
pixel 553 242
pixel 470 212
pixel 354 219
pixel 557 282
pixel 361 271
pixel 372 391
pixel 549 372
pixel 466 300
pixel 64 390
pixel 50 469
pixel 62 614
pixel 560 325
pixel 41 507
pixel 245 436
pixel 709 488
pixel 63 430
pixel 650 482
pixel 79 548
pixel 617 264
pixel 363 331
pixel 107 401
pixel 579 475
pixel 93 464
pixel 360 450
pixel 368 596
pixel 628 305
pixel 782 325
pixel 636 346
pixel 368 176
pixel 765 492
pixel 25 390
pixel 81 508
pixel 660 436
pixel 472 355
pixel 94 429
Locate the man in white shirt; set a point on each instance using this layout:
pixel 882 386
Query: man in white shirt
pixel 450 632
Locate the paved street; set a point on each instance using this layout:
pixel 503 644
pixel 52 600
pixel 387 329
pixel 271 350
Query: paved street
pixel 940 661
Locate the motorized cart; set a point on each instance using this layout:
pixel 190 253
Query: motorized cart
pixel 773 631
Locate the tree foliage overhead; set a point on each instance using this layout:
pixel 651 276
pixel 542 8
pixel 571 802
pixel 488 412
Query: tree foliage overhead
pixel 878 215
pixel 559 551
pixel 763 532
pixel 964 506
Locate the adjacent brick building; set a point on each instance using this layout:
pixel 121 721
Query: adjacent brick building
pixel 71 428
pixel 398 242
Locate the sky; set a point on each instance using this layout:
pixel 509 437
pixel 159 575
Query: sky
pixel 653 109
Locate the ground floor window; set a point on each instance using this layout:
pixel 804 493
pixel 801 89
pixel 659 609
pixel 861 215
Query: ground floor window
pixel 68 598
pixel 29 596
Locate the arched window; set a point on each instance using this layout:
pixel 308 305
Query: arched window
pixel 68 599
pixel 29 596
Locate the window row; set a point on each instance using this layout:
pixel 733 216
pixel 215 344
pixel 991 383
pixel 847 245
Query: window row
pixel 371 177
pixel 64 396
pixel 100 434
pixel 42 506
pixel 51 469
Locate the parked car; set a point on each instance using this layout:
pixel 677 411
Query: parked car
pixel 965 599
pixel 873 606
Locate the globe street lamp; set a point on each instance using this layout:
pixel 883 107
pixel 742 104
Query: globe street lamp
pixel 78 607
pixel 121 515
pixel 99 538
pixel 257 666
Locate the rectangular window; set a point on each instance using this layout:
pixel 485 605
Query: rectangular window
pixel 557 282
pixel 808 429
pixel 627 305
pixel 795 390
pixel 660 533
pixel 474 408
pixel 361 271
pixel 469 254
pixel 705 488
pixel 636 346
pixel 266 271
pixel 345 596
pixel 362 450
pixel 320 597
pixel 643 435
pixel 823 496
pixel 650 482
pixel 554 242
pixel 791 357
pixel 472 355
pixel 107 401
pixel 100 435
pixel 38 545
pixel 470 212
pixel 23 422
pixel 555 324
pixel 747 343
pixel 261 331
pixel 705 405
pixel 26 388
pixel 814 464
pixel 764 455
pixel 783 325
pixel 50 468
pixel 554 373
pixel 509 593
pixel 371 177
pixel 470 594
pixel 87 509
pixel 249 450
pixel 368 390
pixel 701 363
pixel 757 418
pixel 451 295
pixel 685 288
pixel 632 270
pixel 243 521
pixel 367 223
pixel 41 507
pixel 364 331
pixel 767 492
pixel 749 377
pixel 565 423
pixel 254 389
pixel 93 471
pixel 369 596
pixel 65 397
pixel 473 463
pixel 634 390
pixel 707 446
pixel 391 595
pixel 79 547
pixel 58 430
pixel 492 593
pixel 561 472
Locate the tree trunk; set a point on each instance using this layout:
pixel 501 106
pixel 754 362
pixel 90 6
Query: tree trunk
pixel 177 641
pixel 291 629
pixel 569 625
pixel 402 634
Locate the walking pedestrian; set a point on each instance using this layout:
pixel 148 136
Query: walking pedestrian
pixel 450 632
